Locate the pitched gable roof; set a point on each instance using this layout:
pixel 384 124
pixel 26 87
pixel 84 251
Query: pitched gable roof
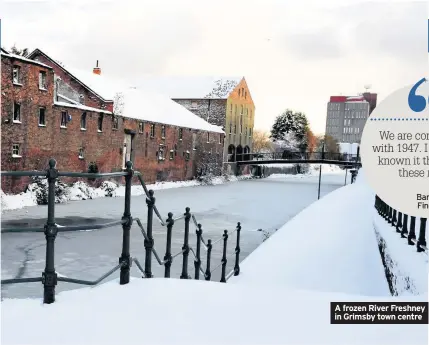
pixel 179 87
pixel 86 79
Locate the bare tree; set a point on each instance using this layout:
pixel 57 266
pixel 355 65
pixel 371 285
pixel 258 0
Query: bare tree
pixel 261 142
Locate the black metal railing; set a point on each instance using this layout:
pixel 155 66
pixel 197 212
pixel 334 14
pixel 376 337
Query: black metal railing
pixel 305 157
pixel 404 224
pixel 49 276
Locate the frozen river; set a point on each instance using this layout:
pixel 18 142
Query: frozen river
pixel 258 204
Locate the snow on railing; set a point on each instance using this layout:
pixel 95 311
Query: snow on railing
pixel 49 276
pixel 406 228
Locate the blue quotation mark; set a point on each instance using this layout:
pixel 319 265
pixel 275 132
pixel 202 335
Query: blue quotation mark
pixel 417 103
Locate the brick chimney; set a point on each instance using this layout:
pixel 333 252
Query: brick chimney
pixel 96 70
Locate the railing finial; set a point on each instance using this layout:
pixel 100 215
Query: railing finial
pixel 52 163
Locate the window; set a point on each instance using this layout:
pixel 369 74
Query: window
pixel 141 127
pixel 250 132
pixel 42 80
pixel 236 109
pixel 83 121
pixel 245 94
pixel 187 155
pixel 230 128
pixel 246 131
pixel 42 117
pixel 15 150
pixel 163 132
pixel 180 133
pixel 241 112
pixel 161 153
pixel 220 138
pixel 17 113
pixel 208 137
pixel 115 123
pixel 81 154
pixel 175 149
pixel 152 131
pixel 171 155
pixel 239 92
pixel 17 75
pixel 63 123
pixel 100 123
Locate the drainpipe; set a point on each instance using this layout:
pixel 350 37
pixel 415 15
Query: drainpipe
pixel 208 116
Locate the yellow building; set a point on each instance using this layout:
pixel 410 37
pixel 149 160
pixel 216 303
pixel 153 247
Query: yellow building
pixel 225 102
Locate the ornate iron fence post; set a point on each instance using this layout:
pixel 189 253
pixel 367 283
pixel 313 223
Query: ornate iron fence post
pixel 224 260
pixel 389 218
pixel 237 251
pixel 394 218
pixel 168 258
pixel 404 231
pixel 421 242
pixel 125 259
pixel 399 224
pixel 148 243
pixel 412 234
pixel 49 276
pixel 197 262
pixel 185 247
pixel 208 274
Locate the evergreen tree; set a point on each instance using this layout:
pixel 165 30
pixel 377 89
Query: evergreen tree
pixel 16 51
pixel 291 126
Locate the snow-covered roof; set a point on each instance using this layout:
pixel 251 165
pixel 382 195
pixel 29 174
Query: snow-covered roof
pixel 148 106
pixel 139 104
pixel 179 87
pixel 98 85
pixel 19 57
pixel 81 106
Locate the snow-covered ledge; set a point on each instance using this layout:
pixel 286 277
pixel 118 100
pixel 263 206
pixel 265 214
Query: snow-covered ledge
pixel 407 270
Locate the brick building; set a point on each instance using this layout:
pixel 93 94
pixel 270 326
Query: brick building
pixel 84 118
pixel 224 102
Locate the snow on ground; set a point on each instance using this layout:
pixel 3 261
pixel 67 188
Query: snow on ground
pixel 410 269
pixel 330 246
pixel 81 191
pixel 177 311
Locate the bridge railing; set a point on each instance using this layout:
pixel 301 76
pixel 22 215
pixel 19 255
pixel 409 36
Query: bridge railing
pixel 49 276
pixel 404 224
pixel 304 156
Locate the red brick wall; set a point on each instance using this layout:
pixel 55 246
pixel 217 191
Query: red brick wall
pixel 39 144
pixel 31 99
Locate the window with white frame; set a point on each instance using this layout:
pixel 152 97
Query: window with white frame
pixel 15 150
pixel 16 75
pixel 171 155
pixel 81 153
pixel 100 123
pixel 83 121
pixel 115 123
pixel 161 153
pixel 163 132
pixel 42 117
pixel 152 130
pixel 17 112
pixel 42 80
pixel 63 123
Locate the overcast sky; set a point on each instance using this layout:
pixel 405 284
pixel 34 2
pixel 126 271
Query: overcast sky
pixel 294 54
